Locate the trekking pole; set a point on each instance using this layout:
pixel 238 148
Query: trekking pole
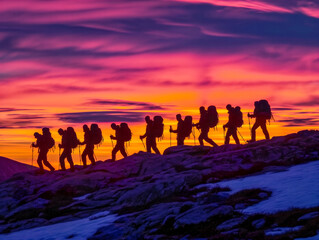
pixel 170 137
pixel 32 153
pixel 143 144
pixel 224 134
pixel 59 158
pixel 241 136
pixel 112 143
pixel 80 154
pixel 249 123
pixel 193 131
pixel 126 148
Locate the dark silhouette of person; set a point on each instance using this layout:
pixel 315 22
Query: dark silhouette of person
pixel 67 150
pixel 43 151
pixel 260 122
pixel 203 125
pixel 89 146
pixel 179 130
pixel 150 138
pixel 231 125
pixel 120 143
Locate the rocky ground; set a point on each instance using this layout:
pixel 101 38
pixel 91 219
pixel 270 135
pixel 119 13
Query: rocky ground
pixel 165 197
pixel 9 168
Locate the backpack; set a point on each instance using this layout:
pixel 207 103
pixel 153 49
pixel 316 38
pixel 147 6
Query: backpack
pixel 187 126
pixel 212 116
pixel 96 134
pixel 238 117
pixel 125 132
pixel 47 139
pixel 263 109
pixel 158 127
pixel 72 139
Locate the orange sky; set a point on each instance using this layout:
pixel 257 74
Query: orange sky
pixel 66 63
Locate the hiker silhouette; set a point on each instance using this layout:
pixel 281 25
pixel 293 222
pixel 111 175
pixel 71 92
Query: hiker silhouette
pixel 231 125
pixel 89 146
pixel 203 125
pixel 120 140
pixel 66 144
pixel 150 136
pixel 262 113
pixel 179 131
pixel 44 143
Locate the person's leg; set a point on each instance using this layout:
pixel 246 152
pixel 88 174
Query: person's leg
pixel 227 137
pixel 264 128
pixel 180 141
pixel 207 139
pixel 122 149
pixel 70 160
pixel 84 154
pixel 153 142
pixel 201 138
pixel 45 161
pixel 235 136
pixel 253 131
pixel 115 150
pixel 148 145
pixel 39 161
pixel 91 155
pixel 62 157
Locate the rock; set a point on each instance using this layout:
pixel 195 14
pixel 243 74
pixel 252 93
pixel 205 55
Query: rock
pixel 201 214
pixel 240 206
pixel 259 223
pixel 308 216
pixel 28 210
pixel 230 224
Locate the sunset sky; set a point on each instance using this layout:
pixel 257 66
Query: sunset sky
pixel 65 63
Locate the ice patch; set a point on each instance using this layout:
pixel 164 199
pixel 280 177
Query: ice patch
pixel 298 187
pixel 75 230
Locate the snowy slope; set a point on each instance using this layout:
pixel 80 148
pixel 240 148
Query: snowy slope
pixel 77 230
pixel 297 187
pixel 10 167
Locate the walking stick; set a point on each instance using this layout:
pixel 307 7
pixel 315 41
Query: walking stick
pixel 170 136
pixel 112 143
pixel 241 136
pixel 249 122
pixel 143 144
pixel 194 133
pixel 80 154
pixel 32 153
pixel 224 134
pixel 59 158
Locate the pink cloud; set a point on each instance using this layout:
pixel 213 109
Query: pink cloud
pixel 249 4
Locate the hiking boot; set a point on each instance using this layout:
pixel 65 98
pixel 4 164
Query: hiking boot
pixel 251 141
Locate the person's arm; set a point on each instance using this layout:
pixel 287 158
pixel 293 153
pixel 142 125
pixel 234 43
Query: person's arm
pixel 143 136
pixel 146 132
pixel 112 137
pixel 251 115
pixel 173 131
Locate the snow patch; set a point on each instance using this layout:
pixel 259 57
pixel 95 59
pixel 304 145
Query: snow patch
pixel 298 187
pixel 281 230
pixel 75 230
